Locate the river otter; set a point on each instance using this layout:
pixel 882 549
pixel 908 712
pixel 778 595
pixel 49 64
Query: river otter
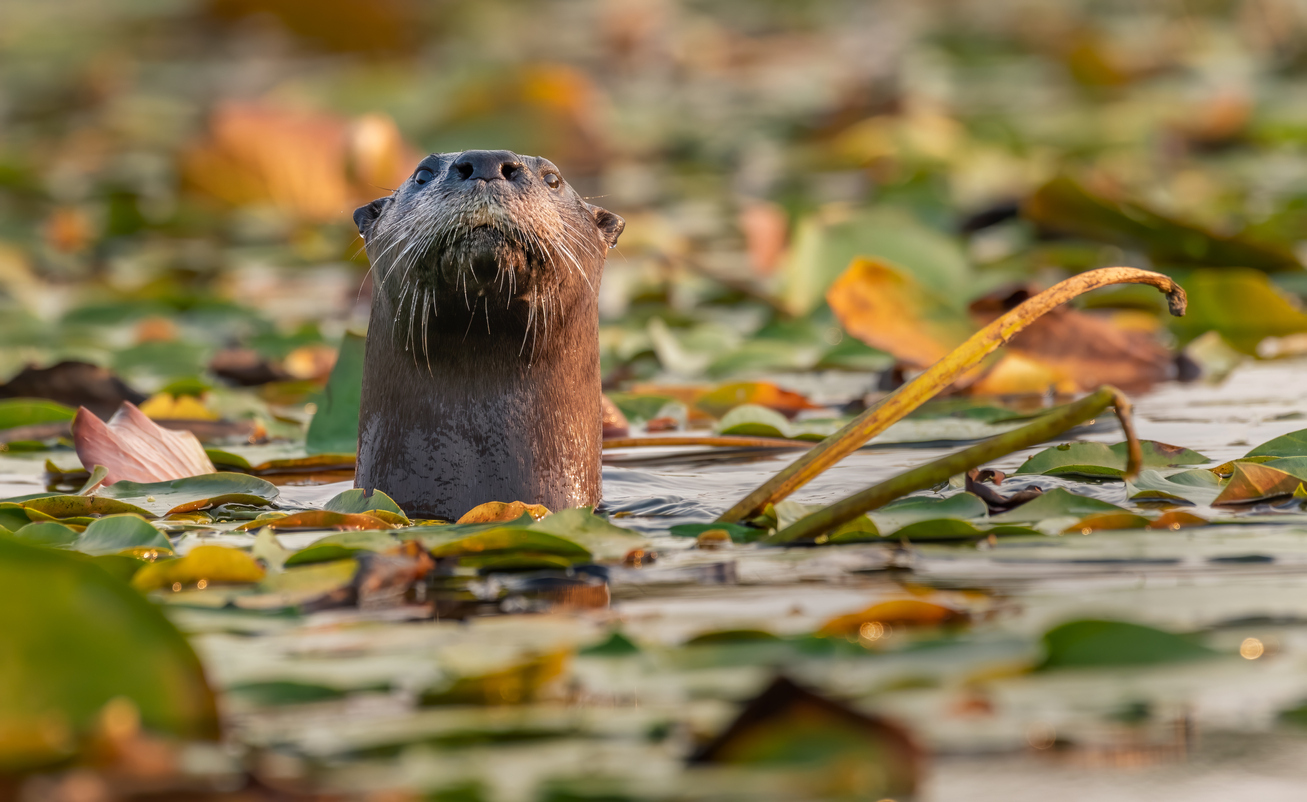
pixel 481 375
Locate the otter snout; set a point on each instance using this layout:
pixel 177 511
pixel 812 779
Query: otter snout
pixel 486 165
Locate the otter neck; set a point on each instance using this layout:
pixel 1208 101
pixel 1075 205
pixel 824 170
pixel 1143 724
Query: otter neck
pixel 481 415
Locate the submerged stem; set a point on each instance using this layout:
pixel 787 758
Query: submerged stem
pixel 932 473
pixel 921 389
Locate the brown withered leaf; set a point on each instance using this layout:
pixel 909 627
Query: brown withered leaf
pixel 321 519
pixel 136 449
pixel 1083 348
pixel 385 579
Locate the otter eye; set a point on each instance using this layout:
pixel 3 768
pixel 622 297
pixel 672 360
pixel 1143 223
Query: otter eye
pixel 423 176
pixel 553 181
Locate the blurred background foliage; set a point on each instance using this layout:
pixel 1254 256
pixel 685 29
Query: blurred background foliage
pixel 177 176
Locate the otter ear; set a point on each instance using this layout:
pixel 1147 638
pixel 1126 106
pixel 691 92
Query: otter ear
pixel 610 225
pixel 366 215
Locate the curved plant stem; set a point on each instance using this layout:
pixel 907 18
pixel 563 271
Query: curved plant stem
pixel 708 440
pixel 930 474
pixel 925 386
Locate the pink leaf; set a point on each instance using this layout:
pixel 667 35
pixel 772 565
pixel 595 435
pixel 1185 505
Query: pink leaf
pixel 136 449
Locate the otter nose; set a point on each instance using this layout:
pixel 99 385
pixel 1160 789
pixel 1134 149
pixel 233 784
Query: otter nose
pixel 487 165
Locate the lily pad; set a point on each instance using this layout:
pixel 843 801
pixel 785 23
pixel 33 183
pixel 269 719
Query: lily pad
pixel 77 506
pixel 321 552
pixel 15 412
pixel 319 519
pixel 62 616
pixel 1096 643
pixel 1293 444
pixel 509 539
pixel 49 534
pixel 739 533
pixel 1097 460
pixel 751 420
pixel 117 533
pixel 916 509
pixel 1251 482
pixel 213 564
pixel 1056 503
pixel 335 426
pixel 161 497
pixel 358 500
pixel 594 534
pixel 1192 487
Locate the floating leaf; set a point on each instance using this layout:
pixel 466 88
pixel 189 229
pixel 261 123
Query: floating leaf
pixel 213 564
pixel 1252 482
pixel 359 500
pixel 75 506
pixel 49 534
pixel 1096 644
pixel 1193 487
pixel 1096 460
pixel 1293 444
pixel 495 511
pixel 320 553
pixel 601 539
pixel 516 684
pixel 78 638
pixel 507 539
pixel 825 244
pixel 738 533
pixel 15 412
pixel 319 519
pixel 118 533
pixel 886 309
pixel 1107 521
pixel 1241 304
pixel 751 420
pixel 162 497
pixel 335 426
pixel 896 612
pixel 301 585
pixel 723 399
pixel 1056 503
pixel 1065 205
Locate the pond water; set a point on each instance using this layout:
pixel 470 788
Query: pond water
pixel 1198 730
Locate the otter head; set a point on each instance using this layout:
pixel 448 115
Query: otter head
pixel 484 234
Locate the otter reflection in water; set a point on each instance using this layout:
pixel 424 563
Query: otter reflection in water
pixel 481 378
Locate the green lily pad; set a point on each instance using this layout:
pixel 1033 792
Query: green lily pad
pixel 49 534
pixel 913 509
pixel 79 638
pixel 161 497
pixel 1293 444
pixel 739 533
pixel 335 426
pixel 509 539
pixel 1056 503
pixel 283 692
pixel 77 506
pixel 15 412
pixel 594 534
pixel 358 500
pixel 117 533
pixel 752 420
pixel 322 552
pixel 1095 644
pixel 1199 487
pixel 299 585
pixel 1097 460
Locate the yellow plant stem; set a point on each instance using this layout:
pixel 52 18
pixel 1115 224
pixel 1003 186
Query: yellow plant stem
pixel 933 473
pixel 938 376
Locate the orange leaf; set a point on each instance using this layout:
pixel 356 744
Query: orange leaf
pixel 136 449
pixel 896 612
pixel 502 511
pixel 723 399
pixel 889 310
pixel 1253 482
